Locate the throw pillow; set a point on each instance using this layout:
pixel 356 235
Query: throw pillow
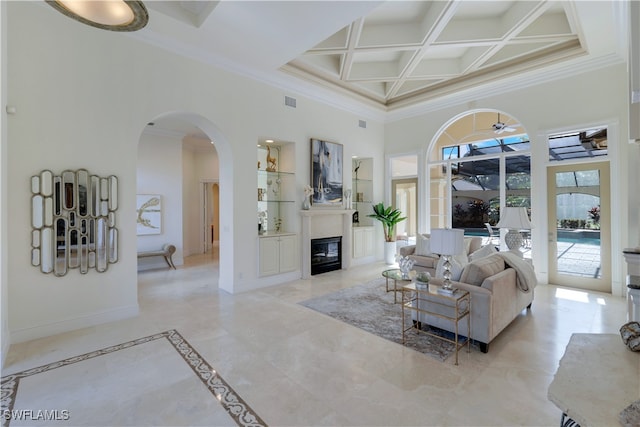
pixel 476 271
pixel 423 246
pixel 484 251
pixel 467 245
pixel 458 264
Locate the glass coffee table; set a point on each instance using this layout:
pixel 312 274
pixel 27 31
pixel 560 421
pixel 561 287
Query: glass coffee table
pixel 395 275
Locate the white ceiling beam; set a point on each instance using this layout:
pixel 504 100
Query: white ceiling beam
pixel 517 27
pixel 352 41
pixel 439 24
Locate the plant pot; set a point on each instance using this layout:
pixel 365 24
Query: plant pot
pixel 390 252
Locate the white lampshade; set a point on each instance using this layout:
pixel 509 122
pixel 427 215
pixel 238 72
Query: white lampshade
pixel 447 241
pixel 514 218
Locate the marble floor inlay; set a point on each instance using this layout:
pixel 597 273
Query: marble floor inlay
pixel 232 403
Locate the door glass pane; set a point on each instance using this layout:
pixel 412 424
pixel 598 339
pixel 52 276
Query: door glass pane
pixel 578 223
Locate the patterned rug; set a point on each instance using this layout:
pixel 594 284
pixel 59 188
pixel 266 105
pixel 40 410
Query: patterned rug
pixel 370 308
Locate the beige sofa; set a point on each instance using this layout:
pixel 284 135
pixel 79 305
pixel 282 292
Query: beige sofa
pixel 501 286
pixel 427 261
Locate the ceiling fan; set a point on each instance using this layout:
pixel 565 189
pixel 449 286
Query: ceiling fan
pixel 500 127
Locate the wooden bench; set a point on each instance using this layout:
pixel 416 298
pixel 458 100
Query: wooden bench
pixel 167 251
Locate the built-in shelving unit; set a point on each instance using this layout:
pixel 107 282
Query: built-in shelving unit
pixel 275 187
pixel 362 190
pixel 277 209
pixel 362 201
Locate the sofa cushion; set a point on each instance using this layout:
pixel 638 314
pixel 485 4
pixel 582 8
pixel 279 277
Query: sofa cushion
pixel 423 246
pixel 458 264
pixel 474 244
pixel 476 271
pixel 424 261
pixel 483 252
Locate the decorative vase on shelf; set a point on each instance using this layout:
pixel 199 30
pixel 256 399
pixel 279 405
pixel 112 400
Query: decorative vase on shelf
pixel 305 204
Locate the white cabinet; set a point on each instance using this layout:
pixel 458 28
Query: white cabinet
pixel 362 242
pixel 278 254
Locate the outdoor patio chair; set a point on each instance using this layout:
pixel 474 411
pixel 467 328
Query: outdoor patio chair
pixel 494 236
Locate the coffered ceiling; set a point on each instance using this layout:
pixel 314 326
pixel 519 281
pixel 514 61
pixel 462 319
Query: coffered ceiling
pixel 389 56
pixel 408 51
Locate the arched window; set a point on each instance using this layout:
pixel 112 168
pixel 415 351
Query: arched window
pixel 479 163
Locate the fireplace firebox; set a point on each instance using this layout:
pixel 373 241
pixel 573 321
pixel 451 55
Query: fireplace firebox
pixel 326 255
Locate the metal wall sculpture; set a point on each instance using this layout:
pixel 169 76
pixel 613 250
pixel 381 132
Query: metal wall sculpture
pixel 74 221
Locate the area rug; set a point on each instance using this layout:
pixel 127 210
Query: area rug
pixel 370 308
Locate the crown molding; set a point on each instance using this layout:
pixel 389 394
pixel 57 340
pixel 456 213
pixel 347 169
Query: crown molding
pixel 521 81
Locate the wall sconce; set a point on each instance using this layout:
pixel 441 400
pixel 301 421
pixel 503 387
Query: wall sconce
pixel 113 15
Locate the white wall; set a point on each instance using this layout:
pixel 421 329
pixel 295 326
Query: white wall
pixel 596 97
pixel 4 282
pixel 84 97
pixel 159 172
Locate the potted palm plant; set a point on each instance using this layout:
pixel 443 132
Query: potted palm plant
pixel 389 217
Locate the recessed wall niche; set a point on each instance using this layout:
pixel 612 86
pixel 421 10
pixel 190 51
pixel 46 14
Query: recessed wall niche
pixel 73 216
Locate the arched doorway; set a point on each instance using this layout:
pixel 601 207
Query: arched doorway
pixel 188 128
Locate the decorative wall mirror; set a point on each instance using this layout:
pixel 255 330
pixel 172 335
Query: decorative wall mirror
pixel 73 220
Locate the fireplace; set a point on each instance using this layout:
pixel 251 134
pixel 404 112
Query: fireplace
pixel 326 254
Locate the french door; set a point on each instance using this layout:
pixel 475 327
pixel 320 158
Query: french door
pixel 579 218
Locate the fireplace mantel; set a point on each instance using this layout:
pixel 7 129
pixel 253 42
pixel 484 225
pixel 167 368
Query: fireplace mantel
pixel 318 223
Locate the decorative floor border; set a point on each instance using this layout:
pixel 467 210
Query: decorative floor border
pixel 237 408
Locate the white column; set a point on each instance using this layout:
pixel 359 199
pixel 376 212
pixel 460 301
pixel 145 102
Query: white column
pixel 306 246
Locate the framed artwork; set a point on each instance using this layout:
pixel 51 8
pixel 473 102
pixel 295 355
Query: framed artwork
pixel 326 173
pixel 149 214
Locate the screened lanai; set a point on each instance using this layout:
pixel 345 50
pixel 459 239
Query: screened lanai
pixel 474 171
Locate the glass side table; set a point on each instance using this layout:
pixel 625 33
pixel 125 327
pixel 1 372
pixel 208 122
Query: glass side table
pixel 394 275
pixel 430 301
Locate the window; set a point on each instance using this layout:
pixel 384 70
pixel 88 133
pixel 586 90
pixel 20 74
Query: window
pixel 469 181
pixel 578 145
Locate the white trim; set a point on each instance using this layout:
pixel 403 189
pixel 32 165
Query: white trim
pixel 53 328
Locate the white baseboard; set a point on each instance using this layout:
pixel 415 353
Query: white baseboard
pixel 264 282
pixel 40 331
pixel 363 260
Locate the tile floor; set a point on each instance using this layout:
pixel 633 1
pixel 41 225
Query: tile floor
pixel 295 367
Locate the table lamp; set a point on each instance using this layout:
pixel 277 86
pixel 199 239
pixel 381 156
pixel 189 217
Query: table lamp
pixel 515 219
pixel 447 242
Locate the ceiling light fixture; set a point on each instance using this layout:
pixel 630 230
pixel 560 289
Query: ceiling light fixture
pixel 113 15
pixel 268 141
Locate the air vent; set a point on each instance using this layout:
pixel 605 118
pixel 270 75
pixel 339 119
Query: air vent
pixel 362 124
pixel 290 102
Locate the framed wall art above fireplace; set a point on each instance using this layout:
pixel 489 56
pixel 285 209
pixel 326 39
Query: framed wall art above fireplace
pixel 326 173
